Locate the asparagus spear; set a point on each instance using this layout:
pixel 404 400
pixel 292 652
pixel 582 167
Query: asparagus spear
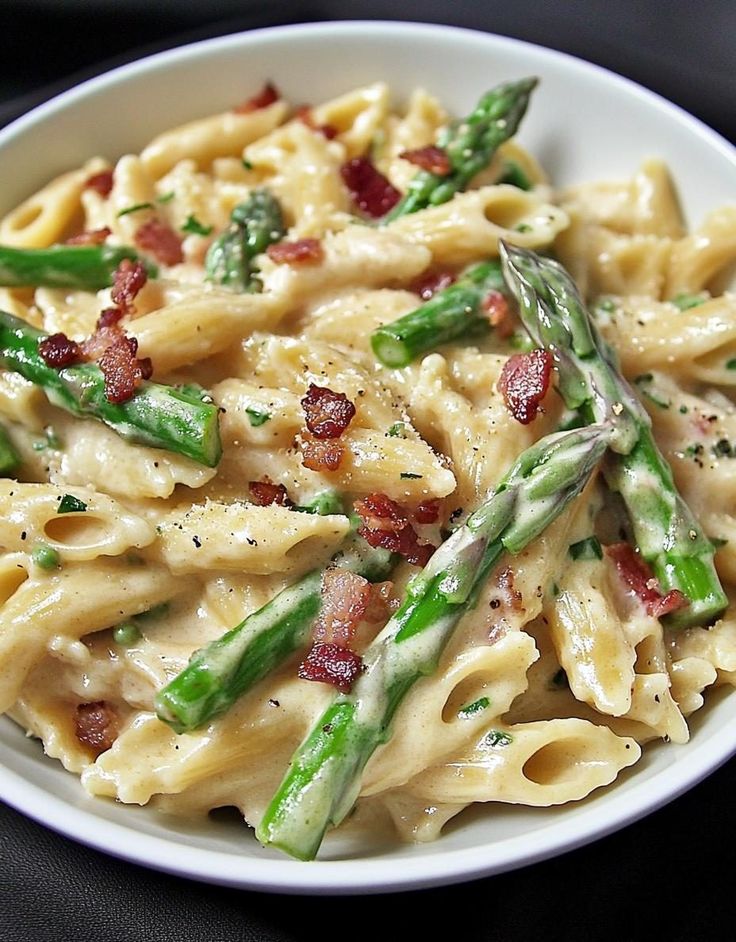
pixel 454 312
pixel 9 458
pixel 667 533
pixel 222 671
pixel 179 420
pixel 86 267
pixel 470 144
pixel 256 223
pixel 323 779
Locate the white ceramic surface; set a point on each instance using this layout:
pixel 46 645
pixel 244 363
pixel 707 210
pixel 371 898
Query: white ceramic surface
pixel 584 123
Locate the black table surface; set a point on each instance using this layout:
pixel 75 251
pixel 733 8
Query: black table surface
pixel 667 876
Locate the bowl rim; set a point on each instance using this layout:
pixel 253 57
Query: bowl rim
pixel 364 875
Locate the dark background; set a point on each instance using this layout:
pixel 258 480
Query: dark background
pixel 669 876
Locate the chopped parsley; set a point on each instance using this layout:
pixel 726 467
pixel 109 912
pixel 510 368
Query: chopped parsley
pixel 165 197
pixel 247 164
pixel 589 548
pixel 685 301
pixel 496 738
pixel 397 430
pixel 643 383
pixel 409 476
pixel 69 504
pixel 256 417
pixel 523 227
pixel 134 208
pixel 731 364
pixel 474 708
pixel 194 227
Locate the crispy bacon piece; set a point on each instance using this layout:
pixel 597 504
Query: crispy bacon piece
pixel 123 373
pixel 96 725
pixel 262 99
pixel 524 382
pixel 327 413
pixel 637 576
pixel 429 284
pixel 382 603
pixel 265 492
pixel 330 663
pixel 428 511
pixel 101 182
pixel 386 524
pixel 128 279
pixel 304 114
pixel 432 159
pixel 497 308
pixel 90 237
pixel 299 252
pixel 372 193
pixel 110 316
pixel 58 351
pixel 345 600
pixel 322 455
pixel 161 241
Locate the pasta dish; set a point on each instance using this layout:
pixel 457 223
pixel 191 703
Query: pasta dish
pixel 353 474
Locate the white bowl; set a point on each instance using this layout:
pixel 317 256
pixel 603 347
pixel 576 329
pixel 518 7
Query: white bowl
pixel 584 123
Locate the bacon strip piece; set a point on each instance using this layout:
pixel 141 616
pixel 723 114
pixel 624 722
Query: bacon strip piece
pixel 322 455
pixel 58 351
pixel 304 114
pixel 428 511
pixel 371 191
pixel 128 279
pixel 345 600
pixel 123 373
pixel 499 313
pixel 330 663
pixel 299 252
pixel 386 524
pixel 638 577
pixel 524 382
pixel 432 159
pixel 426 286
pixel 101 182
pixel 327 413
pixel 96 725
pixel 90 237
pixel 264 493
pixel 262 99
pixel 161 241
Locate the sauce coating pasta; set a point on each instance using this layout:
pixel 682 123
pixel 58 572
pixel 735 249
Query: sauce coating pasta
pixel 272 260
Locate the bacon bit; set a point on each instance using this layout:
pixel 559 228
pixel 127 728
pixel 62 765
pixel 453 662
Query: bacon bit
pixel 123 373
pixel 524 382
pixel 90 237
pixel 432 159
pixel 265 97
pixel 428 285
pixel 345 600
pixel 127 281
pixel 265 492
pixel 109 317
pixel 105 336
pixel 371 191
pixel 304 114
pixel 381 603
pixel 300 252
pixel 320 455
pixel 386 524
pixel 161 241
pixel 497 308
pixel 333 664
pixel 96 725
pixel 58 351
pixel 638 577
pixel 428 511
pixel 327 413
pixel 101 182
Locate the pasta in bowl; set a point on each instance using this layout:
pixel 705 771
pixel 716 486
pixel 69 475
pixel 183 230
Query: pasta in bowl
pixel 294 519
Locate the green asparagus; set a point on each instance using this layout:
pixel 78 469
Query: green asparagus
pixel 323 779
pixel 454 312
pixel 222 671
pixel 667 533
pixel 177 420
pixel 256 224
pixel 9 458
pixel 85 267
pixel 470 145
